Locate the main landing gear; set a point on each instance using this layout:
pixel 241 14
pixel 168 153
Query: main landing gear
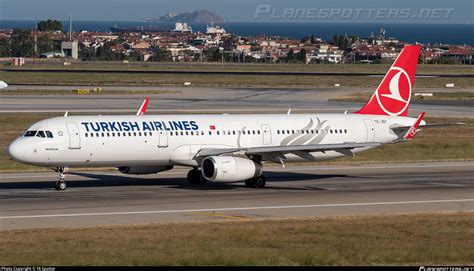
pixel 195 177
pixel 257 182
pixel 61 184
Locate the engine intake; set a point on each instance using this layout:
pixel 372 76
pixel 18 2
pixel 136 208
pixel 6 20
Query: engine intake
pixel 140 170
pixel 229 168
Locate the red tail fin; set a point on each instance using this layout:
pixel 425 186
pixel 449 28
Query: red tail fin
pixel 392 96
pixel 142 109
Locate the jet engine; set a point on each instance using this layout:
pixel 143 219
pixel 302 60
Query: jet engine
pixel 229 168
pixel 140 170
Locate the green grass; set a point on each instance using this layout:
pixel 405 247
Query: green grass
pixel 440 144
pixel 99 79
pixel 437 96
pixel 415 239
pixel 70 92
pixel 236 67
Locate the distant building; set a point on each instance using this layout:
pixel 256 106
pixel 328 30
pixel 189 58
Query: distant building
pixel 182 28
pixel 18 61
pixel 70 49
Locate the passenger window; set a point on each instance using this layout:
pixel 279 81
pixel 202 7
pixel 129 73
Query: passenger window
pixel 210 133
pixel 258 131
pixel 92 134
pixel 50 135
pixel 253 131
pixel 217 132
pixel 345 131
pixel 87 135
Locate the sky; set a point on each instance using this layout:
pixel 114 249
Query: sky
pixel 394 11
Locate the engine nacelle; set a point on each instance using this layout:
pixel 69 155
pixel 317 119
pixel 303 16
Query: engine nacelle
pixel 229 168
pixel 140 170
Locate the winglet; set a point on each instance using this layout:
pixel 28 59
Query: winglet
pixel 142 109
pixel 413 129
pixel 3 85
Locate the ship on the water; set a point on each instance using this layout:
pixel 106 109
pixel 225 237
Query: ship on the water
pixel 214 29
pixel 182 28
pixel 149 28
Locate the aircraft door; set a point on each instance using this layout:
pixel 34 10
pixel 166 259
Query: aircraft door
pixel 267 134
pixel 74 136
pixel 370 130
pixel 162 139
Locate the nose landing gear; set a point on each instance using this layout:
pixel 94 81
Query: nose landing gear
pixel 61 183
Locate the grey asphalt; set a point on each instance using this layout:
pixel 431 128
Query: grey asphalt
pixel 28 200
pixel 210 100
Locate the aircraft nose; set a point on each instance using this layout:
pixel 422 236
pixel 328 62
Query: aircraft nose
pixel 17 151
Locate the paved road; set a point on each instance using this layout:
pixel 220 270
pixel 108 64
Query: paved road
pixel 27 200
pixel 209 100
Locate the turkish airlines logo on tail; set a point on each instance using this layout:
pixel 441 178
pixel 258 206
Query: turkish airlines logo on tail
pixel 393 95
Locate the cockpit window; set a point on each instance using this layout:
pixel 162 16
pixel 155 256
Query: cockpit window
pixel 40 134
pixel 49 134
pixel 30 133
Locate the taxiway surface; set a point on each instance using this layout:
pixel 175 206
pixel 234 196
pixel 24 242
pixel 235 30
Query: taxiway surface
pixel 28 200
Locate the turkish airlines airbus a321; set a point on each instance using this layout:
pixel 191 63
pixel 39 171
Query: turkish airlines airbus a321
pixel 223 147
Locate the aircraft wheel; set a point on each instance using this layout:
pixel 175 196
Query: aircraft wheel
pixel 260 182
pixel 195 177
pixel 60 185
pixel 250 183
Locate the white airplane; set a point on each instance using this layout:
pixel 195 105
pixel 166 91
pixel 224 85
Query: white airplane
pixel 3 85
pixel 222 147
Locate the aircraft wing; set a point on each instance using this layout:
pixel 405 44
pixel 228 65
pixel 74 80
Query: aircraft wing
pixel 275 153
